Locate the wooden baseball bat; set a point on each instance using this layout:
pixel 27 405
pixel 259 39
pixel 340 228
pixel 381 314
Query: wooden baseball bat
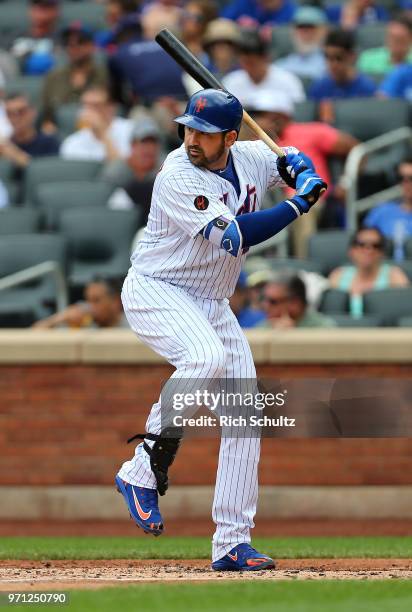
pixel 185 58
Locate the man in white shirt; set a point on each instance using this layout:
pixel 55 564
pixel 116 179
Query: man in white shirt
pixel 101 136
pixel 257 73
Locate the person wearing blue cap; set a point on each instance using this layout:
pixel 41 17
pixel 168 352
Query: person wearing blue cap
pixel 239 303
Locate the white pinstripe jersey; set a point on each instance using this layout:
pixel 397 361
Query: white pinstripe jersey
pixel 171 248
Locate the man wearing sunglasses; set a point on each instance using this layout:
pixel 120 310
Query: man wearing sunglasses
pixel 25 141
pixel 343 80
pixel 390 217
pixel 285 303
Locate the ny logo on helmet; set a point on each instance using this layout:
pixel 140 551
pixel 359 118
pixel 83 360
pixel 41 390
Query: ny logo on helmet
pixel 200 104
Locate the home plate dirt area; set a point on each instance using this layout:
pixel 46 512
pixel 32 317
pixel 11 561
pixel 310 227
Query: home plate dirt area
pixel 57 574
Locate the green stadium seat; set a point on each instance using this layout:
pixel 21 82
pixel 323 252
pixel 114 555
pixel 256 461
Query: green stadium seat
pixel 293 263
pixel 334 301
pixel 29 85
pixel 66 118
pixel 36 299
pixel 54 198
pixel 408 249
pixel 346 320
pixel 405 322
pixel 14 220
pixel 13 17
pixel 89 12
pixel 99 243
pixel 328 249
pixel 53 168
pixel 366 118
pixel 306 111
pixel 282 43
pixel 370 35
pixel 389 304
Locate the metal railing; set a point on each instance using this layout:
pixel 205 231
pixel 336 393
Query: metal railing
pixel 351 172
pixel 47 268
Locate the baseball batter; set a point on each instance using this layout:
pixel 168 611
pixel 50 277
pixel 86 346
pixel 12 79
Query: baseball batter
pixel 204 216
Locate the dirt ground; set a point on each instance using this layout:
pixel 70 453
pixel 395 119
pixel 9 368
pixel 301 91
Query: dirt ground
pixel 62 575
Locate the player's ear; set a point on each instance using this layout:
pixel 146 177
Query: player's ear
pixel 230 138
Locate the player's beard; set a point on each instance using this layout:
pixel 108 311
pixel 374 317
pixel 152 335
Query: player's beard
pixel 201 160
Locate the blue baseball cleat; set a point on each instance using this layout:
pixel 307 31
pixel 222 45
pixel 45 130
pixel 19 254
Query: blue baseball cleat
pixel 243 558
pixel 142 505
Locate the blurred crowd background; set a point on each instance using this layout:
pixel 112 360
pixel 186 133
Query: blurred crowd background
pixel 87 101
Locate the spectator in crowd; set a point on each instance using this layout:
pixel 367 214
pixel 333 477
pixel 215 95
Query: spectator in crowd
pixel 394 219
pixel 5 125
pixel 4 195
pixel 309 30
pixel 102 308
pixel 220 43
pixel 258 74
pixel 368 270
pixel 350 15
pixel 317 140
pixel 160 14
pixel 134 177
pixel 101 136
pixel 35 49
pixel 195 18
pixel 343 80
pixel 67 83
pixel 141 71
pixel 260 12
pixel 240 305
pixel 116 12
pixel 25 141
pixel 397 49
pixel 285 304
pixel 398 83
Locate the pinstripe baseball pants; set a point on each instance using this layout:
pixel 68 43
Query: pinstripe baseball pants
pixel 202 339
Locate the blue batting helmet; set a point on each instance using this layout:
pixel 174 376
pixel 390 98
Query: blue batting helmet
pixel 211 110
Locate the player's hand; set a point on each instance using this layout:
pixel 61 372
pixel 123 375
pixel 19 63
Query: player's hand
pixel 309 188
pixel 289 167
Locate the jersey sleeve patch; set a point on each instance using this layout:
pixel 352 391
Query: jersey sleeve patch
pixel 201 202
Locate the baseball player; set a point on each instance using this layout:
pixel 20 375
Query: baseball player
pixel 204 216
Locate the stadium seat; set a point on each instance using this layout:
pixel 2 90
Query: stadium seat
pixel 328 249
pixel 408 249
pixel 36 299
pixel 306 111
pixel 294 263
pixel 334 301
pixel 89 12
pixel 346 320
pixel 370 35
pixel 406 266
pixel 29 85
pixel 366 118
pixel 13 17
pixel 53 168
pixel 99 243
pixel 66 118
pixel 14 220
pixel 389 304
pixel 54 198
pixel 282 43
pixel 405 322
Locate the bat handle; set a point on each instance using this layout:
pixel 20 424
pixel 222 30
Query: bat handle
pixel 251 123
